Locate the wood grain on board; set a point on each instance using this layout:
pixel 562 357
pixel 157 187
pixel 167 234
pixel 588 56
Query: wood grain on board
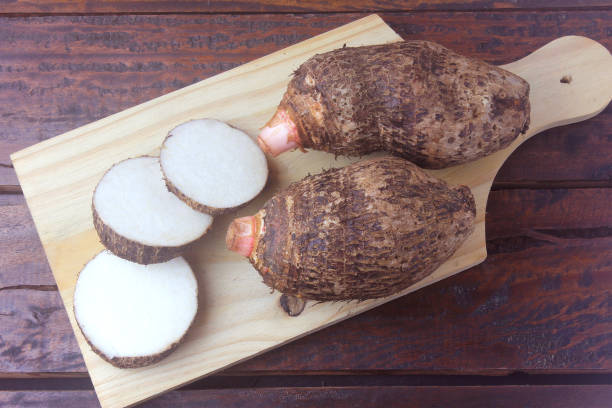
pixel 69 71
pixel 283 6
pixel 527 308
pixel 559 396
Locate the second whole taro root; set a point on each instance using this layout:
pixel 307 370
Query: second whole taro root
pixel 364 231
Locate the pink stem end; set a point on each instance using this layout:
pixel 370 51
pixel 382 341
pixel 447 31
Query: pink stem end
pixel 241 235
pixel 279 135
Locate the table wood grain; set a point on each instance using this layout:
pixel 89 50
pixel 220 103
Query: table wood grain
pixel 340 397
pixel 285 6
pixel 539 305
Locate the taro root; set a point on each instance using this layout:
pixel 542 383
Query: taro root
pixel 134 315
pixel 212 166
pixel 364 231
pixel 138 219
pixel 413 99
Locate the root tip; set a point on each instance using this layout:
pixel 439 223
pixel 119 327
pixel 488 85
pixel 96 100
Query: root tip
pixel 241 234
pixel 279 135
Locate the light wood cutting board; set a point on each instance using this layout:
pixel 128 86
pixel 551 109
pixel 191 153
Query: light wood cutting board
pixel 239 317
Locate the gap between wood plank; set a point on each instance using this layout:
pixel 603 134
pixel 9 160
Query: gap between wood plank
pixel 44 288
pixel 338 380
pixel 10 189
pixel 550 184
pixel 300 12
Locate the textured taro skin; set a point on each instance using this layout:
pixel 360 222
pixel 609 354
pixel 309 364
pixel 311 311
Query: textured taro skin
pixel 414 99
pixel 364 231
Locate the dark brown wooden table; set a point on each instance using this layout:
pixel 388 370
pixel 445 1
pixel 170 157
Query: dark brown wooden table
pixel 532 326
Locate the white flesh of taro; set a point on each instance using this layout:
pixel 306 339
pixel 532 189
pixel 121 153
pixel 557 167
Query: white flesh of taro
pixel 133 200
pixel 128 310
pixel 213 165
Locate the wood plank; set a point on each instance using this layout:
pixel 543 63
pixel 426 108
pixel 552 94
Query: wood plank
pixel 575 213
pixel 22 260
pixel 576 152
pixel 36 335
pixel 537 304
pixel 559 396
pixel 283 6
pixel 58 73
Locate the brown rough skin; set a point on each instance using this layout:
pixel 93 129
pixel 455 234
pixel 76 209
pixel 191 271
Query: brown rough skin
pixel 133 250
pixel 206 209
pixel 133 362
pixel 414 99
pixel 364 231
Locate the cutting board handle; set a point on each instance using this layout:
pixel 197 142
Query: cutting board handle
pixel 570 79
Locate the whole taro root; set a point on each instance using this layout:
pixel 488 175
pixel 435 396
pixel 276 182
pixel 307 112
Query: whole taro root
pixel 364 231
pixel 413 99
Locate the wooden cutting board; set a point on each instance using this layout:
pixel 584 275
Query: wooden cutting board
pixel 239 317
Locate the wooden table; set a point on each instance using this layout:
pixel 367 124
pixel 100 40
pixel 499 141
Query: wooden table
pixel 530 326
